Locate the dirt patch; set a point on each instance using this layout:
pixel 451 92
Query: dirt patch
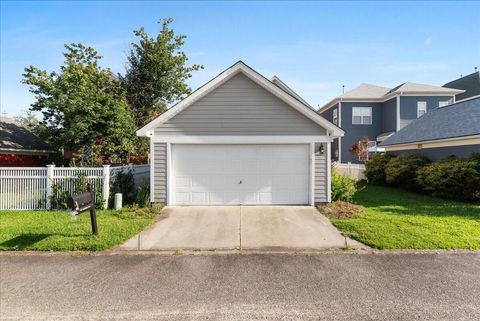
pixel 342 210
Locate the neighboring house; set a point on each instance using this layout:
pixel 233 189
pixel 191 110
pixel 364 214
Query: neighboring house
pixel 19 147
pixel 240 139
pixel 377 112
pixel 470 84
pixel 453 130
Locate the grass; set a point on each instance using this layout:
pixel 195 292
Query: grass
pixel 56 231
pixel 397 219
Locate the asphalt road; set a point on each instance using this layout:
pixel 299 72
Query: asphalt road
pixel 328 286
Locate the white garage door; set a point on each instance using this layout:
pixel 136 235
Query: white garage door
pixel 240 174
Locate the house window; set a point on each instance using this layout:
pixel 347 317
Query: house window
pixel 335 116
pixel 421 108
pixel 443 103
pixel 361 115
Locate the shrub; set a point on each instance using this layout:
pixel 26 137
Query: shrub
pixel 375 168
pixel 122 182
pixel 62 189
pixel 343 187
pixel 142 198
pixel 452 179
pixel 401 170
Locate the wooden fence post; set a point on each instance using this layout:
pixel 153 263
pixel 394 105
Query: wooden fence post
pixel 49 185
pixel 106 185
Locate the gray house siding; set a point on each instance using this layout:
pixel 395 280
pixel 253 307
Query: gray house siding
pixel 328 115
pixel 159 172
pixel 435 154
pixel 320 176
pixel 389 115
pixel 408 106
pixel 354 133
pixel 239 107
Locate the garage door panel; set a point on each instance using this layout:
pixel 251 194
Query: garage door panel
pixel 240 174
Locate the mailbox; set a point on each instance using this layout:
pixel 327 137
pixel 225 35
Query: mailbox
pixel 82 202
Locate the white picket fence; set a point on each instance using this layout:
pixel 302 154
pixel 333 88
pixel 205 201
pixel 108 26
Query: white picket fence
pixel 30 188
pixel 356 171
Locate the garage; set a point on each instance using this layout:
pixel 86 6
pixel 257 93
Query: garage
pixel 240 139
pixel 240 174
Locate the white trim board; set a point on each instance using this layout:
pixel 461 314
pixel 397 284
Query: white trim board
pixel 312 174
pixel 448 142
pixel 241 139
pixel 329 172
pixel 152 172
pixel 241 67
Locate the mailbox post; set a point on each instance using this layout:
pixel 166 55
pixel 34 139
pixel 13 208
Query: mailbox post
pixel 83 202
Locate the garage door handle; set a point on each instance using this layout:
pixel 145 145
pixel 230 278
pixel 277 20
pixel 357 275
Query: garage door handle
pixel 240 182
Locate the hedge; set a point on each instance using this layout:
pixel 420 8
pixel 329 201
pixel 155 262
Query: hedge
pixel 375 169
pixel 401 171
pixel 452 179
pixel 457 179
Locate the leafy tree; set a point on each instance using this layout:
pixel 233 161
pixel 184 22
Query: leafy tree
pixel 84 106
pixel 28 120
pixel 156 73
pixel 361 149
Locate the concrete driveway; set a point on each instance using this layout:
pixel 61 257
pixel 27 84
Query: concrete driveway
pixel 240 228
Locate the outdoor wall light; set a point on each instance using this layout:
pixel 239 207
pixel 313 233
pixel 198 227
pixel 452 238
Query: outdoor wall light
pixel 321 149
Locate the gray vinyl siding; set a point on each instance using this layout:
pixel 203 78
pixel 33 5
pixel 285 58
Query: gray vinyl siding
pixel 239 107
pixel 160 172
pixel 408 106
pixel 320 175
pixel 389 115
pixel 435 154
pixel 328 114
pixel 354 133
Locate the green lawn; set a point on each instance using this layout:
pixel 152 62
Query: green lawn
pixel 56 231
pixel 397 219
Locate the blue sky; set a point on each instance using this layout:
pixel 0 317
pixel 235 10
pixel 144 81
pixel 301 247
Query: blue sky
pixel 315 47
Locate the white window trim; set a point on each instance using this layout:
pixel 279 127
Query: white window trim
pixel 418 108
pixel 361 116
pixel 335 116
pixel 443 103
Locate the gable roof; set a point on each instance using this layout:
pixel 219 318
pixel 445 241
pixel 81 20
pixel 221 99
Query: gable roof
pixel 277 81
pixel 457 120
pixel 469 83
pixel 411 87
pixel 369 92
pixel 241 67
pixel 15 138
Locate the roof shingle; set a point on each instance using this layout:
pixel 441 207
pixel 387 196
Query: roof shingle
pixel 14 136
pixel 457 120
